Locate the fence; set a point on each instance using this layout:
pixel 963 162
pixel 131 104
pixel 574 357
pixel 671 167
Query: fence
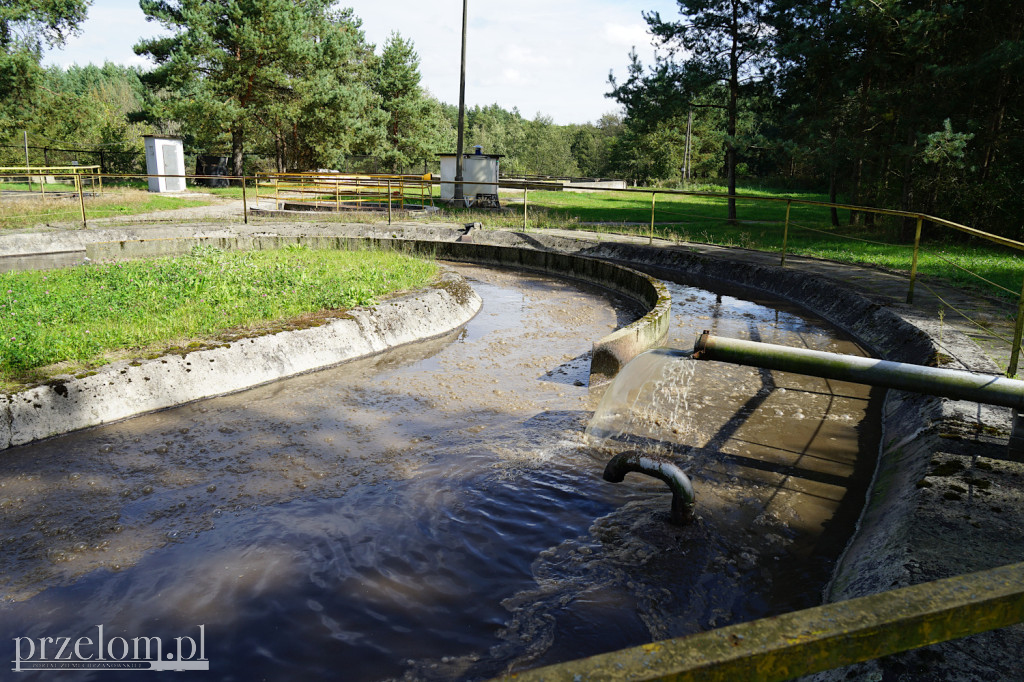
pixel 786 225
pixel 337 191
pixel 109 159
pixel 778 648
pixel 366 192
pixel 42 175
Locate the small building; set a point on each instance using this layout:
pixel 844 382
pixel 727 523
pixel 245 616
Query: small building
pixel 479 173
pixel 165 156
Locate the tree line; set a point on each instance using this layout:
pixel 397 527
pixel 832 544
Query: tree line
pixel 274 84
pixel 910 104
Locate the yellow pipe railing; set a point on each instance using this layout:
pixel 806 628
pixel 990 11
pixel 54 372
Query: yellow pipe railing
pixel 816 639
pixel 339 190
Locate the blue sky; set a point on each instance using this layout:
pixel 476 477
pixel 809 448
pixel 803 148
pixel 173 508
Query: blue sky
pixel 543 56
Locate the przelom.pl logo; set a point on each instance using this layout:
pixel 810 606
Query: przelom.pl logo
pixel 114 653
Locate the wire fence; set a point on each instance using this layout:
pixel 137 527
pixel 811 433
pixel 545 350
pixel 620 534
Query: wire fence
pixel 786 226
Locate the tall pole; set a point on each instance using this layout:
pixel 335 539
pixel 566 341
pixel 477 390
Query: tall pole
pixel 459 197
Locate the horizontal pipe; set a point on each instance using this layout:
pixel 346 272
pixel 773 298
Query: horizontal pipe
pixel 948 383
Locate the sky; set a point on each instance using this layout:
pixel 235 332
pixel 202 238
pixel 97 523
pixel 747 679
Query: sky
pixel 549 57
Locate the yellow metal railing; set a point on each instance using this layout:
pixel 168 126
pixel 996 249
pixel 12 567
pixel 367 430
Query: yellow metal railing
pixel 775 648
pixel 919 219
pixel 92 173
pixel 340 191
pixel 816 639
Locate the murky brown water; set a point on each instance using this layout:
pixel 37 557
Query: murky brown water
pixel 434 513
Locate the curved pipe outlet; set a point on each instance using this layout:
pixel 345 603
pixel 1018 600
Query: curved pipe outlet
pixel 661 468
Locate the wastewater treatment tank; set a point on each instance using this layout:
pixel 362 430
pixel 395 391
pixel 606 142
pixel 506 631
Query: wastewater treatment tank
pixel 438 512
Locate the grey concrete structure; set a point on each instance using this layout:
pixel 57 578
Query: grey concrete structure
pixel 915 526
pixel 609 354
pixel 126 389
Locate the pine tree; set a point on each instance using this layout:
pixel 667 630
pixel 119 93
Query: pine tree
pixel 26 26
pixel 277 65
pixel 725 43
pixel 411 125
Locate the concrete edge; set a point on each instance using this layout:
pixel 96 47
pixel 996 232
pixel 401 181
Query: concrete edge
pixel 609 353
pixel 128 389
pixel 913 424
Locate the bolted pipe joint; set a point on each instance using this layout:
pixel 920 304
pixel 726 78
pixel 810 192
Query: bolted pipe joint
pixel 660 468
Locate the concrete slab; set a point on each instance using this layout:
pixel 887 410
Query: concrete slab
pixel 127 389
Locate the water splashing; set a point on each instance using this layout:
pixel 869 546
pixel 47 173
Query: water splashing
pixel 647 405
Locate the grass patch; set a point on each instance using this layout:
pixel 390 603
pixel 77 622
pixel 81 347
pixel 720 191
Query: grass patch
pixel 944 253
pixel 78 317
pixel 28 212
pixel 49 187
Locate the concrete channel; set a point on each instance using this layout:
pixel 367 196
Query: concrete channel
pixel 915 426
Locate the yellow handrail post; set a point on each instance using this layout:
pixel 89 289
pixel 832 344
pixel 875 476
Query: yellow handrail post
pixel 245 203
pixel 99 176
pixel 785 234
pixel 1018 332
pixel 389 201
pixel 651 239
pixel 277 192
pixel 913 263
pixel 526 195
pixel 257 186
pixel 81 198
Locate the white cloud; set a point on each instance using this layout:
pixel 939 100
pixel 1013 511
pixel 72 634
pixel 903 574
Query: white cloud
pixel 513 77
pixel 627 35
pixel 538 55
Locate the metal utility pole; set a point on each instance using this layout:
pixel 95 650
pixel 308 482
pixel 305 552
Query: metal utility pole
pixel 459 197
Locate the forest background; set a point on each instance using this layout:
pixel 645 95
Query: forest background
pixel 889 103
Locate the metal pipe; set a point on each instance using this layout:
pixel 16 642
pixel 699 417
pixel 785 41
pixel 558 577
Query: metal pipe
pixel 653 196
pixel 785 234
pixel 913 263
pixel 948 383
pixel 1018 333
pixel 658 467
pixel 459 196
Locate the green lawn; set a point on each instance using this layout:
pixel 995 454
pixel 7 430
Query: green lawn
pixel 682 218
pixel 81 314
pixel 49 187
pixel 760 225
